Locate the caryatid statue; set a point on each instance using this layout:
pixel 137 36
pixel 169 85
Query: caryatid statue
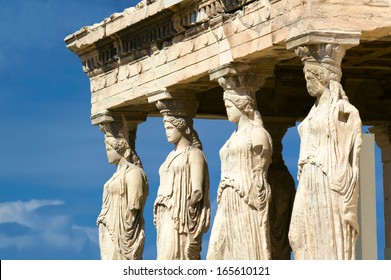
pixel 121 222
pixel 241 229
pixel 182 210
pixel 324 221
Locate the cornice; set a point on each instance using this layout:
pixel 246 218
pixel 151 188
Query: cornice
pixel 144 29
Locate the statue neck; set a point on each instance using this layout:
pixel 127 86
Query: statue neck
pixel 243 122
pixel 182 144
pixel 122 163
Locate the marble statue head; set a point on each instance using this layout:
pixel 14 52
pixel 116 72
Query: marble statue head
pixel 244 103
pixel 121 138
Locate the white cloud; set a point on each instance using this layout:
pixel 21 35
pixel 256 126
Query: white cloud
pixel 20 242
pixel 24 212
pixel 90 232
pixel 46 230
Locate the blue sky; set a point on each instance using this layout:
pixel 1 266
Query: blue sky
pixel 53 163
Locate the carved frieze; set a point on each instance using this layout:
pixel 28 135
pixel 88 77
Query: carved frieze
pixel 230 5
pixel 233 5
pixel 135 41
pixel 201 12
pixel 160 33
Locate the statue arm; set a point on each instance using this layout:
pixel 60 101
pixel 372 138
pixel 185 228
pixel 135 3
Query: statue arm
pixel 261 142
pixel 259 193
pixel 197 163
pixel 354 123
pixel 135 189
pixel 348 114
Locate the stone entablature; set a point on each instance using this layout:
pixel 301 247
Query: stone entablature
pixel 151 47
pixel 165 21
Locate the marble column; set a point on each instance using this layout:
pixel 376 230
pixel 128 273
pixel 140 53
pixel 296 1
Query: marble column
pixel 383 140
pixel 182 205
pixel 121 222
pixel 282 189
pixel 324 222
pixel 241 228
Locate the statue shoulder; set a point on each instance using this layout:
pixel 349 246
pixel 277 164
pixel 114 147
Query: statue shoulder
pixel 135 171
pixel 260 136
pixel 196 155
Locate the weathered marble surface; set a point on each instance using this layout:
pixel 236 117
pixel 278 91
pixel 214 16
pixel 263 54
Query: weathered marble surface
pixel 182 207
pixel 121 222
pixel 324 220
pixel 241 225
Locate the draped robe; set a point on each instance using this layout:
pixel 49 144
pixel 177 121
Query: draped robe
pixel 179 225
pixel 121 222
pixel 241 228
pixel 324 218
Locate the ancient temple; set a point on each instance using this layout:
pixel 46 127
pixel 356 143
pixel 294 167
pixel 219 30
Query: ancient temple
pixel 192 51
